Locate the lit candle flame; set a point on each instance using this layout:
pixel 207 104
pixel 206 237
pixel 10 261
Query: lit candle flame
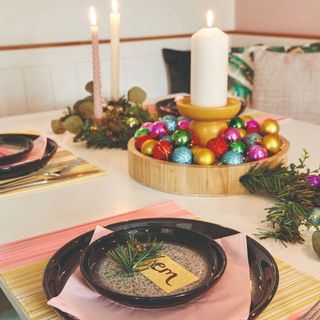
pixel 210 19
pixel 115 6
pixel 93 16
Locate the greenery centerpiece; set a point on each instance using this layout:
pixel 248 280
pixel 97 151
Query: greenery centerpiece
pixel 120 120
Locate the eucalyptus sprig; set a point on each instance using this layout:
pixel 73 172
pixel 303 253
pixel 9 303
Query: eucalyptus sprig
pixel 293 194
pixel 135 256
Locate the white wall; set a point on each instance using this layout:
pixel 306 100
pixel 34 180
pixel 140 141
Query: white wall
pixel 45 79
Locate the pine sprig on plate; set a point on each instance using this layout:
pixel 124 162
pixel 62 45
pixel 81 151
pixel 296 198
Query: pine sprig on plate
pixel 135 256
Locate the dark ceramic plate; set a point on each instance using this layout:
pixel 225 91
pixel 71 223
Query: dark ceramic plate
pixel 263 269
pixel 8 172
pixel 18 145
pixel 211 254
pixel 169 107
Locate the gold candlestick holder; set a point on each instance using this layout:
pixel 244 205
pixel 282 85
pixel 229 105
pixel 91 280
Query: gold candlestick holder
pixel 207 123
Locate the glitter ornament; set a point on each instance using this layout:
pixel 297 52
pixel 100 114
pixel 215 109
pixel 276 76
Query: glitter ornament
pixel 181 138
pixel 231 134
pixel 252 124
pixel 147 125
pixel 132 122
pixel 238 146
pixel 184 124
pixel 314 217
pixel 232 158
pixel 181 118
pixel 182 155
pixel 218 145
pixel 167 138
pixel 272 143
pixel 236 122
pixel 314 180
pixel 162 150
pixel 171 122
pixel 257 153
pixel 252 130
pixel 159 129
pixel 140 140
pixel 253 138
pixel 246 118
pixel 270 126
pixel 147 147
pixel 204 156
pixel 242 133
pixel 195 149
pixel 141 131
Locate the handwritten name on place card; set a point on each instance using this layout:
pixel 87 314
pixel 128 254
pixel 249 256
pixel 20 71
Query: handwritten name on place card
pixel 168 274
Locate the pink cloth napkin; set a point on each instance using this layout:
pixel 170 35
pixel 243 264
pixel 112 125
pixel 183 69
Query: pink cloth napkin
pixel 37 151
pixel 229 299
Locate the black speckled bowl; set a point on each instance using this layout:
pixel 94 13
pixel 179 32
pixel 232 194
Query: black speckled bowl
pixel 212 256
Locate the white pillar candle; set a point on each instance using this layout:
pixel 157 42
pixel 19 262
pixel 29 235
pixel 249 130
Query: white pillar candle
pixel 114 26
pixel 97 92
pixel 209 66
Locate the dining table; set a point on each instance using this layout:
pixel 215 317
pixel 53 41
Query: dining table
pixel 38 212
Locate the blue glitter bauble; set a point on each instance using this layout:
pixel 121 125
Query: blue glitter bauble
pixel 182 155
pixel 253 138
pixel 171 122
pixel 314 217
pixel 167 138
pixel 232 157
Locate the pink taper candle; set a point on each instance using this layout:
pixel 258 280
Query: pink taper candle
pixel 97 92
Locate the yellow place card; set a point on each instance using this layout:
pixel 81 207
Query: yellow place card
pixel 168 274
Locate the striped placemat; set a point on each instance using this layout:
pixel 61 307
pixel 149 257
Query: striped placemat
pixel 21 273
pixel 61 158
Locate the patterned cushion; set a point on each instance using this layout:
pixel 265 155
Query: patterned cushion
pixel 241 67
pixel 287 83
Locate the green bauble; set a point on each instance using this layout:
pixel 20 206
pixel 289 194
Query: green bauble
pixel 73 124
pixel 314 217
pixel 236 122
pixel 238 146
pixel 181 138
pixel 141 131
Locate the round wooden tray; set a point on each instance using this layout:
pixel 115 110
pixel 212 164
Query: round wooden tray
pixel 194 180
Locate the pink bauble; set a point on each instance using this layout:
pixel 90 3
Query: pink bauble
pixel 231 134
pixel 252 124
pixel 159 129
pixel 257 152
pixel 184 125
pixel 147 125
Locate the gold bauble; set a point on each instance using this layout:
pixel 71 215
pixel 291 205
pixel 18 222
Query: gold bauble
pixel 269 126
pixel 246 118
pixel 272 143
pixel 195 149
pixel 204 156
pixel 242 132
pixel 147 147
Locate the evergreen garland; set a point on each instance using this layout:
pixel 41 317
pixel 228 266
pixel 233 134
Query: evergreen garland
pixel 293 194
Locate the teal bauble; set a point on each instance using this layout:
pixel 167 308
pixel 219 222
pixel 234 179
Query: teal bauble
pixel 314 217
pixel 141 131
pixel 181 138
pixel 171 122
pixel 236 122
pixel 253 138
pixel 232 158
pixel 182 155
pixel 167 138
pixel 238 146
